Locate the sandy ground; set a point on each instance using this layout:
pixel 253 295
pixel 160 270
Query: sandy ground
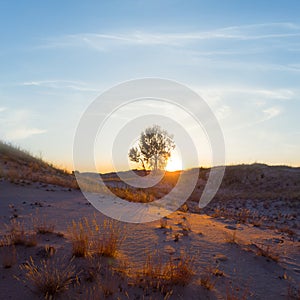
pixel 239 266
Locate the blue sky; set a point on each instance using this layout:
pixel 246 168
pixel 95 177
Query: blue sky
pixel 242 57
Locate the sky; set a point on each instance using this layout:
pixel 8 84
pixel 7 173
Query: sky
pixel 241 57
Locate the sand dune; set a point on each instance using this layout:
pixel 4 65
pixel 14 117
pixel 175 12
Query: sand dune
pixel 243 245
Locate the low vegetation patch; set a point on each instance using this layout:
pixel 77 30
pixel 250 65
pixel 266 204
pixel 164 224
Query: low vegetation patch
pixel 49 277
pixel 93 238
pixel 17 235
pixel 235 293
pixel 80 233
pixel 290 232
pixel 208 278
pixel 163 223
pixel 266 251
pixel 18 165
pixel 107 239
pixel 230 237
pixel 162 275
pixel 42 226
pixel 207 281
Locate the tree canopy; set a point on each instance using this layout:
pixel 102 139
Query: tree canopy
pixel 154 148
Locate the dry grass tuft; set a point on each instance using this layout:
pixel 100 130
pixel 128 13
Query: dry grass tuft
pixel 91 238
pixel 18 236
pixel 42 227
pixel 184 207
pixel 49 277
pixel 80 233
pixel 163 223
pixel 231 238
pixel 265 251
pixel 208 277
pixel 242 216
pixel 291 233
pixel 176 237
pixel 49 251
pixel 107 238
pixel 186 227
pixel 107 279
pixel 135 194
pixel 207 281
pixel 163 275
pixel 235 293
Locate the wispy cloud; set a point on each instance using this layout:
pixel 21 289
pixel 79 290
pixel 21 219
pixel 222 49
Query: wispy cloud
pixel 281 94
pixel 22 133
pixel 16 125
pixel 61 84
pixel 102 41
pixel 258 66
pixel 217 94
pixel 251 118
pixel 270 113
pixel 238 108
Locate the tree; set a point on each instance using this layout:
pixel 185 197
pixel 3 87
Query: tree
pixel 154 148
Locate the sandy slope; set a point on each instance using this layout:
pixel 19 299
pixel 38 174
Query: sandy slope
pixel 255 275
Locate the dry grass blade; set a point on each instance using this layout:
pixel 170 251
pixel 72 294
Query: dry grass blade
pixel 18 235
pixel 91 238
pixel 163 223
pixel 265 251
pixel 160 274
pixel 109 241
pixel 49 277
pixel 231 238
pixel 80 233
pixel 43 227
pixel 208 277
pixel 181 271
pixel 207 281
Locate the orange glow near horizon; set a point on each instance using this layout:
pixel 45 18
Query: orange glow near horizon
pixel 174 163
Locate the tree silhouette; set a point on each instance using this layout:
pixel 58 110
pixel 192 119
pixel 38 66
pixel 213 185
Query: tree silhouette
pixel 154 148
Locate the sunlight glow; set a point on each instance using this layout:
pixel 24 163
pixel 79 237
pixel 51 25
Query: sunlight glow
pixel 174 163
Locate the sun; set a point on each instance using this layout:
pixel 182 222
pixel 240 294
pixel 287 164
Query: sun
pixel 174 163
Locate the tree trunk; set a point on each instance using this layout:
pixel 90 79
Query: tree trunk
pixel 143 164
pixel 155 162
